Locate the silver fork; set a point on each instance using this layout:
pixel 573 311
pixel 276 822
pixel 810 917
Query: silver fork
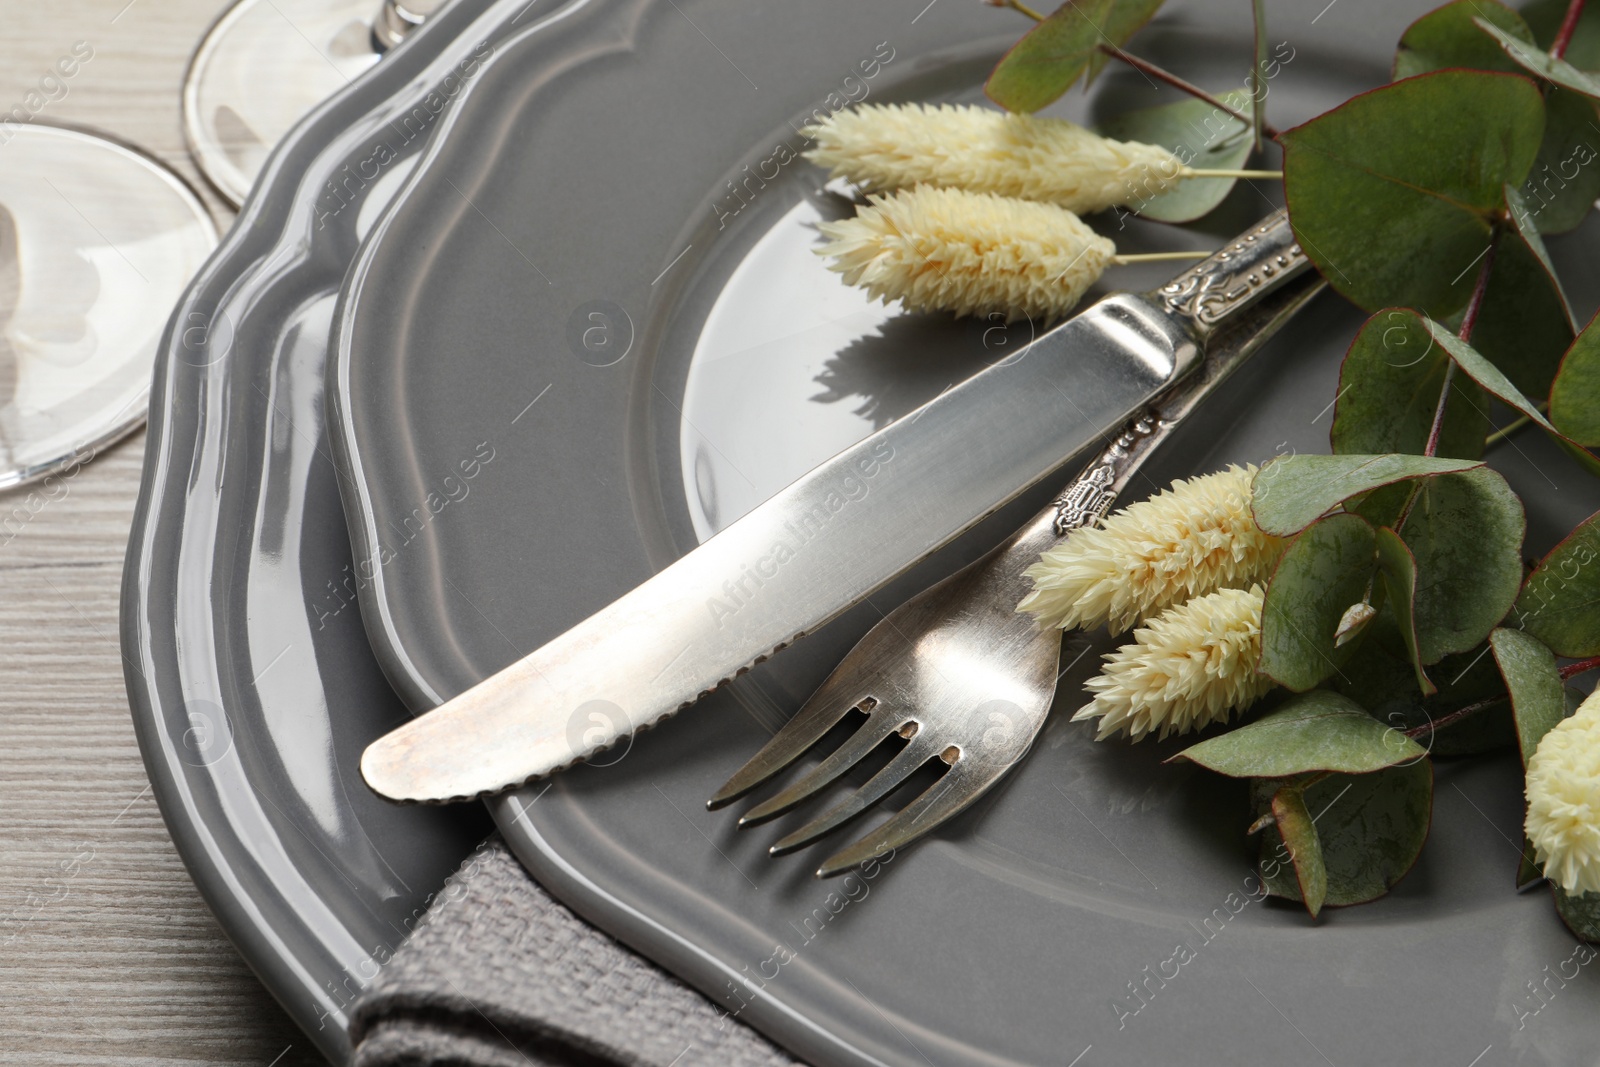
pixel 957 671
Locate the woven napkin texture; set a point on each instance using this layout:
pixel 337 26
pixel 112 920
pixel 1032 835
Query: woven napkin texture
pixel 498 974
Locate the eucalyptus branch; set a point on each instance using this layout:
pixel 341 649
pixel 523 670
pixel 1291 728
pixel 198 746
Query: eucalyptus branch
pixel 1582 666
pixel 1161 74
pixel 1146 67
pixel 1569 671
pixel 1456 716
pixel 1438 412
pixel 1569 25
pixel 1480 289
pixel 1469 319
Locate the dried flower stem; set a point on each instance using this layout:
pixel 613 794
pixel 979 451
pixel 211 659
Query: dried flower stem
pixel 1508 429
pixel 1028 11
pixel 1157 257
pixel 1160 74
pixel 1269 175
pixel 1569 25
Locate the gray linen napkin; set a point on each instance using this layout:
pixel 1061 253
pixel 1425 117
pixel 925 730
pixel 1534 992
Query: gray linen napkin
pixel 498 974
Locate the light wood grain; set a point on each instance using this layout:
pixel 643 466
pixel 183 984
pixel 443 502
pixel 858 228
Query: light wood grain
pixel 107 954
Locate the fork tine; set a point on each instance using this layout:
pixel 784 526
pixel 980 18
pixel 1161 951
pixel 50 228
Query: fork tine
pixel 897 770
pixel 879 725
pixel 965 782
pixel 816 717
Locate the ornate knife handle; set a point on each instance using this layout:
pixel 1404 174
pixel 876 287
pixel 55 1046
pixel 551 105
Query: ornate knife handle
pixel 1253 264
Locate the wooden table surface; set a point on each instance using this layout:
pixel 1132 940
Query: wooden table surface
pixel 107 953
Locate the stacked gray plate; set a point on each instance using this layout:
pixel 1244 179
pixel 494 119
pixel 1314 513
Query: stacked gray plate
pixel 582 330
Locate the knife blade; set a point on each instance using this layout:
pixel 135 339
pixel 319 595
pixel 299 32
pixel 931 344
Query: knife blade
pixel 831 538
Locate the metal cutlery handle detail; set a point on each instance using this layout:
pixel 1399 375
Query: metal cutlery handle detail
pixel 1090 496
pixel 1252 265
pixel 1086 501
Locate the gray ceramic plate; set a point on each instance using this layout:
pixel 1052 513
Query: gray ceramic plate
pixel 252 687
pixel 584 337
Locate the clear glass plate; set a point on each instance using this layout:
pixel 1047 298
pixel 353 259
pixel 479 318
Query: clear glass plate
pixel 97 242
pixel 260 68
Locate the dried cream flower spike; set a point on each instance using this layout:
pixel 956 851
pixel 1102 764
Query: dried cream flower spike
pixel 1564 800
pixel 895 146
pixel 1191 667
pixel 972 253
pixel 1186 541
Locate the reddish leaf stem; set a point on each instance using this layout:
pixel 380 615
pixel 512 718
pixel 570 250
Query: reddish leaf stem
pixel 1455 716
pixel 1581 667
pixel 1566 672
pixel 1438 413
pixel 1480 287
pixel 1569 24
pixel 1161 74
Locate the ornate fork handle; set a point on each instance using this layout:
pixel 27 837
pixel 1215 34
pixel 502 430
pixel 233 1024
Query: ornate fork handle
pixel 1236 299
pixel 1249 321
pixel 1089 497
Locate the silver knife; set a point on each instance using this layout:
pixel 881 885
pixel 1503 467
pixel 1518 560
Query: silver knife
pixel 818 547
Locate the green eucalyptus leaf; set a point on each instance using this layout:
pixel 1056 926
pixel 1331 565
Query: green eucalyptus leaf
pixel 1483 372
pixel 1560 601
pixel 1389 387
pixel 1371 828
pixel 1393 194
pixel 1575 396
pixel 1064 47
pixel 1491 380
pixel 1538 697
pixel 1448 37
pixel 1545 18
pixel 1399 570
pixel 1465 531
pixel 1564 183
pixel 1562 186
pixel 1124 19
pixel 1203 137
pixel 1316 731
pixel 1298 832
pixel 1292 492
pixel 1541 63
pixel 1581 913
pixel 1326 570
